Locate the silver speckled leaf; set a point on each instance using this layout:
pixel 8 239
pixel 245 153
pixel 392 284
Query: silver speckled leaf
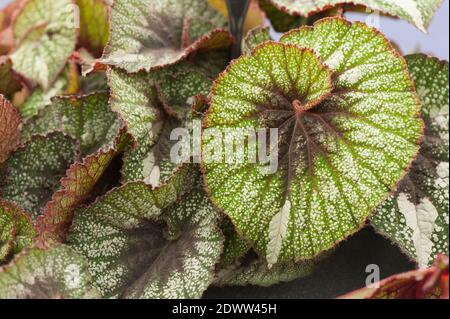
pixel 416 216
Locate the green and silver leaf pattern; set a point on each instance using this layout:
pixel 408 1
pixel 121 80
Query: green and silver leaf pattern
pixel 256 272
pixel 254 38
pixel 343 145
pixel 146 34
pixel 45 36
pixel 55 273
pixel 417 12
pixel 416 216
pixel 16 230
pixel 88 119
pixel 32 173
pixel 138 247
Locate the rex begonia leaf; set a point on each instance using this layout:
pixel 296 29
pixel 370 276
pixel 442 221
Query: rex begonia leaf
pixel 9 81
pixel 148 34
pixel 347 131
pixel 88 119
pixel 94 25
pixel 55 273
pixel 135 99
pixel 16 230
pixel 234 247
pixel 255 272
pixel 254 38
pixel 45 36
pixel 416 216
pixel 430 283
pixel 80 180
pixel 417 12
pixel 32 173
pixel 9 128
pixel 154 250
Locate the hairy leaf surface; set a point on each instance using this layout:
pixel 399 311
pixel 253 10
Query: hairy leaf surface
pixel 416 216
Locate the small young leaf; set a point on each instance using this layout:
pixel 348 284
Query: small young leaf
pixel 430 283
pixel 81 178
pixel 45 37
pixel 148 34
pixel 9 128
pixel 94 25
pixel 154 250
pixel 32 173
pixel 16 230
pixel 88 119
pixel 416 216
pixel 56 273
pixel 417 12
pixel 254 38
pixel 348 129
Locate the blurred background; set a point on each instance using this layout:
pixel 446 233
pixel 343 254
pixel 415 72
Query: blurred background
pixel 344 269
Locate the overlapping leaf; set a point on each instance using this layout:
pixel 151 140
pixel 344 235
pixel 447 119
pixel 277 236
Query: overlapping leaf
pixel 88 119
pixel 416 216
pixel 155 249
pixel 45 36
pixel 16 230
pixel 342 145
pixel 430 283
pixel 77 185
pixel 417 12
pixel 147 34
pixel 9 128
pixel 31 174
pixel 55 273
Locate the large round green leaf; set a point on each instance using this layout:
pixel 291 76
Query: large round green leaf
pixel 348 128
pixel 416 216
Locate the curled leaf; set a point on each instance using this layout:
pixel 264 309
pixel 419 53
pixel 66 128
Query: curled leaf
pixel 45 36
pixel 80 180
pixel 154 250
pixel 430 283
pixel 146 35
pixel 416 216
pixel 348 128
